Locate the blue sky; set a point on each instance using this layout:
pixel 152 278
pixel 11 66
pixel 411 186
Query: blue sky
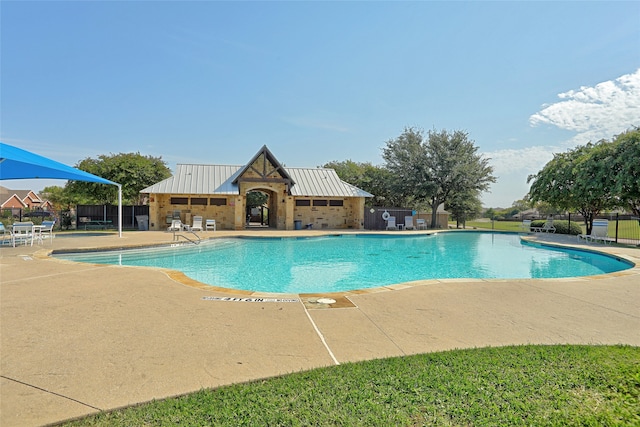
pixel 211 82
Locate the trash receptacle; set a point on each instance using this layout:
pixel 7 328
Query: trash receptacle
pixel 297 224
pixel 143 222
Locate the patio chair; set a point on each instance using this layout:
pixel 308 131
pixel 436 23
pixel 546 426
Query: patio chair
pixel 210 224
pixel 421 224
pixel 599 232
pixel 526 225
pixel 391 223
pixel 22 232
pixel 176 225
pixel 6 235
pixel 46 230
pixel 197 223
pixel 408 223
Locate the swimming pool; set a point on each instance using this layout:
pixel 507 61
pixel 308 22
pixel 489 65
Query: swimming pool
pixel 348 262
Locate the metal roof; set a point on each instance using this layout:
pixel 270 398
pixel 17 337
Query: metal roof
pixel 218 179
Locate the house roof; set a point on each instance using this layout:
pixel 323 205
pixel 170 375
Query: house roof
pixel 6 194
pixel 222 179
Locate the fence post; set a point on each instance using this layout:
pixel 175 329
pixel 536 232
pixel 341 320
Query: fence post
pixel 617 222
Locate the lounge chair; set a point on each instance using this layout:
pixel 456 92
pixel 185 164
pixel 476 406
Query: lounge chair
pixel 197 223
pixel 421 224
pixel 176 225
pixel 599 232
pixel 210 224
pixel 548 227
pixel 526 225
pixel 408 223
pixel 391 223
pixel 22 231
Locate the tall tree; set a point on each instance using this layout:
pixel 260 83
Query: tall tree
pixel 132 170
pixel 578 179
pixel 625 167
pixel 432 171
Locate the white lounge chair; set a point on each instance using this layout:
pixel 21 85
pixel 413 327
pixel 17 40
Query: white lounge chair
pixel 526 225
pixel 176 225
pixel 421 224
pixel 391 223
pixel 548 227
pixel 408 223
pixel 210 224
pixel 599 232
pixel 197 223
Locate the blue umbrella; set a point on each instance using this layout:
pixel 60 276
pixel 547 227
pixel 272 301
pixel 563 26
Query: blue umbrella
pixel 16 163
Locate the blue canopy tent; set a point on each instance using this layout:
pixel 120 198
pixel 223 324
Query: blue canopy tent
pixel 16 163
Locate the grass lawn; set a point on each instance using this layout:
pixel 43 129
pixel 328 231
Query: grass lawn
pixel 508 386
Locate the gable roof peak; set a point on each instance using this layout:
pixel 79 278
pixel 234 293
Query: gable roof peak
pixel 269 157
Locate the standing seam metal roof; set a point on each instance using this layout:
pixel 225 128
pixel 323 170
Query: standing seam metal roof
pixel 218 179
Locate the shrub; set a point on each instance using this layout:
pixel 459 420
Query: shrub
pixel 562 226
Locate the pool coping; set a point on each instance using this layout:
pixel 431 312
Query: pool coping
pixel 342 297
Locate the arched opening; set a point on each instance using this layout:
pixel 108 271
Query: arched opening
pixel 259 212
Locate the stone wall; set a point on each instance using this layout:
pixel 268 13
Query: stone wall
pixel 284 210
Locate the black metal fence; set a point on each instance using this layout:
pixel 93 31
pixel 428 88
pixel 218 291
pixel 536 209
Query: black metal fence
pixel 623 228
pixel 108 215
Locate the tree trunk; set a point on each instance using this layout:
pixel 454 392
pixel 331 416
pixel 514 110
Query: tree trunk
pixel 434 213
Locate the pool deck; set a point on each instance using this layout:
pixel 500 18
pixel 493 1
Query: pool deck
pixel 77 338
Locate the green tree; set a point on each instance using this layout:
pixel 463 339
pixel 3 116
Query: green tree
pixel 59 198
pixel 373 179
pixel 256 199
pixel 432 171
pixel 521 205
pixel 132 170
pixel 464 206
pixel 624 165
pixel 579 180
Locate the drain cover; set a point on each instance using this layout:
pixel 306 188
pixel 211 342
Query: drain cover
pixel 326 301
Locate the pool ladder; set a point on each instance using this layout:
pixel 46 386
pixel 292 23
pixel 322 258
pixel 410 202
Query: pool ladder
pixel 177 236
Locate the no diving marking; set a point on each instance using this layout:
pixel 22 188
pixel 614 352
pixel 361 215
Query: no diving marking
pixel 236 299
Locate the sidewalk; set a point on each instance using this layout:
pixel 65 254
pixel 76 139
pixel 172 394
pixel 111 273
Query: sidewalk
pixel 79 338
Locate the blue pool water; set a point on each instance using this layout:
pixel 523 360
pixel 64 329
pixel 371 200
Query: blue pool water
pixel 347 262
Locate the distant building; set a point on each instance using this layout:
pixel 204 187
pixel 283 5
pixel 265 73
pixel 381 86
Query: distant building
pixel 297 197
pixel 22 199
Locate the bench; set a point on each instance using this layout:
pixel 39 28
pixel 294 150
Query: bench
pixel 94 224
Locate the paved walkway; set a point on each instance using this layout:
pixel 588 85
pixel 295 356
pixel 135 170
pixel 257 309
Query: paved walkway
pixel 78 338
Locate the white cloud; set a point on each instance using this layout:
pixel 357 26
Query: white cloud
pixel 525 159
pixel 597 112
pixel 592 113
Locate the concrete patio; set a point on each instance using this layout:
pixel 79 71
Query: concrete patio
pixel 81 338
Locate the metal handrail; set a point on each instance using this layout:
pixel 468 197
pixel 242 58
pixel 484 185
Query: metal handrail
pixel 177 236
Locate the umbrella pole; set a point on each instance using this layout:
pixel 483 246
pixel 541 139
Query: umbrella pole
pixel 120 210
